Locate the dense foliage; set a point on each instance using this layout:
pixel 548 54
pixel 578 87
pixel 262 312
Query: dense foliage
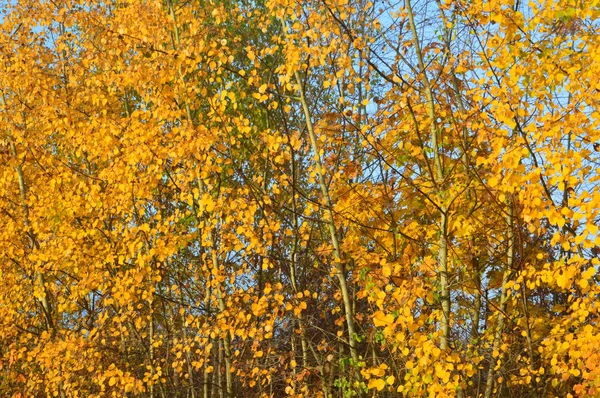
pixel 316 198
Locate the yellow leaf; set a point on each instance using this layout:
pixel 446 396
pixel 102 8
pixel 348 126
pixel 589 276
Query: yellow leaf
pixel 380 319
pixel 588 273
pixel 563 280
pixel 376 383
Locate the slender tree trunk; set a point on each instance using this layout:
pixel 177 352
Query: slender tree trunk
pixel 340 269
pixel 439 180
pixel 219 374
pixel 476 304
pixel 205 375
pixel 489 387
pixel 226 339
pixel 188 359
pixel 207 355
pixel 151 351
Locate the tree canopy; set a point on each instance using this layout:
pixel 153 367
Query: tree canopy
pixel 312 198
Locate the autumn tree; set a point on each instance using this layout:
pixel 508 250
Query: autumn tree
pixel 317 198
